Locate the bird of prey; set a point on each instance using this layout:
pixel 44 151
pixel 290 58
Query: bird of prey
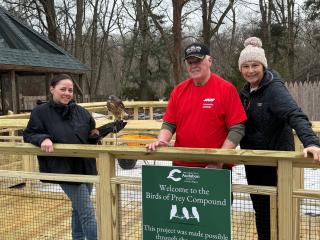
pixel 185 213
pixel 195 213
pixel 116 107
pixel 173 211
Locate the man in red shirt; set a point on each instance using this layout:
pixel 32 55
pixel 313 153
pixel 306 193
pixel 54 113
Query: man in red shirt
pixel 204 111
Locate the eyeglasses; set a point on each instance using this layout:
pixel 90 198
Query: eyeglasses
pixel 194 61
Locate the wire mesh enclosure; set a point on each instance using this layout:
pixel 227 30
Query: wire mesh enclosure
pixel 32 210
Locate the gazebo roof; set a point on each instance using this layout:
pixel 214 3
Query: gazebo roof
pixel 24 49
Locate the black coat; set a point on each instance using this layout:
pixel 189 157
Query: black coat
pixel 272 114
pixel 69 124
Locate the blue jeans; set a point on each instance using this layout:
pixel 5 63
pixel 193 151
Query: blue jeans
pixel 84 225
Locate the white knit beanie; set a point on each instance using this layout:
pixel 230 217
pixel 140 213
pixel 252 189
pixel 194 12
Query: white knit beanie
pixel 253 52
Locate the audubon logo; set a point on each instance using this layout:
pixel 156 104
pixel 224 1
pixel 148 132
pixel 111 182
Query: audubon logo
pixel 172 173
pixel 177 175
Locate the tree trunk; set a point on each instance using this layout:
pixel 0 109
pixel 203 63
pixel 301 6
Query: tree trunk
pixel 50 12
pixel 174 50
pixel 177 38
pixel 205 23
pixel 78 30
pixel 265 27
pixel 93 51
pixel 207 14
pixel 290 46
pixel 142 15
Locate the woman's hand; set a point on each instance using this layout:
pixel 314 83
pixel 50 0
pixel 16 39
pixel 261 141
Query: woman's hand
pixel 47 145
pixel 314 150
pixel 94 132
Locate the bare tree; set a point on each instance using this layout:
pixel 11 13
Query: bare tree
pixel 78 29
pixel 265 10
pixel 286 15
pixel 208 16
pixel 174 47
pixel 291 38
pixel 177 6
pixel 142 16
pixel 128 46
pixel 50 14
pixel 93 48
pixel 107 19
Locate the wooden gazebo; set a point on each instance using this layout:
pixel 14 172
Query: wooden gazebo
pixel 25 52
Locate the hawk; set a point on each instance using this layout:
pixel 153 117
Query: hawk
pixel 116 107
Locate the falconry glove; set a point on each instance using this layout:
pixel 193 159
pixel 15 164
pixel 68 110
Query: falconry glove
pixel 104 130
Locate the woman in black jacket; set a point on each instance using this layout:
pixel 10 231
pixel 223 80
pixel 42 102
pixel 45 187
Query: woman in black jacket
pixel 61 120
pixel 272 114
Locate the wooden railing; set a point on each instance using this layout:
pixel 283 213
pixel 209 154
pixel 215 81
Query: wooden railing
pixel 146 106
pixel 282 196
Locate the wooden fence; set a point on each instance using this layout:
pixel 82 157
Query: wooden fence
pixel 107 182
pixel 137 110
pixel 307 95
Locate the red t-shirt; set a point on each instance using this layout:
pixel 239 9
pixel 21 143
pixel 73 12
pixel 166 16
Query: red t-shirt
pixel 203 114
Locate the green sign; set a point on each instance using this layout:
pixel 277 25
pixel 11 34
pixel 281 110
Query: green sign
pixel 181 203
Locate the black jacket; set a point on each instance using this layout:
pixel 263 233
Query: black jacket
pixel 69 124
pixel 272 114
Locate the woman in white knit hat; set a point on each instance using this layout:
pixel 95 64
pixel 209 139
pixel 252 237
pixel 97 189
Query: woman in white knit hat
pixel 272 114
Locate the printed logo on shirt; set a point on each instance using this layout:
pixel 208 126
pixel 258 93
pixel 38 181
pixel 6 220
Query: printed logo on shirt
pixel 259 104
pixel 208 102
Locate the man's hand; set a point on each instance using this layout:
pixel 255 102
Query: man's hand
pixel 154 145
pixel 314 150
pixel 215 165
pixel 47 145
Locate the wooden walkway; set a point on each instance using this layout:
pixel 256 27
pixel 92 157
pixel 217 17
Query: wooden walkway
pixel 26 218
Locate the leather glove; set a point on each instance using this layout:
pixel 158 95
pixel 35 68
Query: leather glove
pixel 94 137
pixel 104 130
pixel 119 125
pixel 112 127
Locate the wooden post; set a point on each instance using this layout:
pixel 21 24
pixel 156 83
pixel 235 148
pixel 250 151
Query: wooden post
pixel 151 112
pixel 14 96
pixel 114 211
pixel 106 170
pixel 135 113
pixel 49 76
pixel 285 202
pixel 298 183
pixel 18 90
pixel 12 132
pixel 82 86
pixel 2 90
pixel 26 163
pixel 273 218
pixel 28 166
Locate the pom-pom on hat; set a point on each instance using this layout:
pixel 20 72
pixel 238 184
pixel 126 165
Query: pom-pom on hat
pixel 253 52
